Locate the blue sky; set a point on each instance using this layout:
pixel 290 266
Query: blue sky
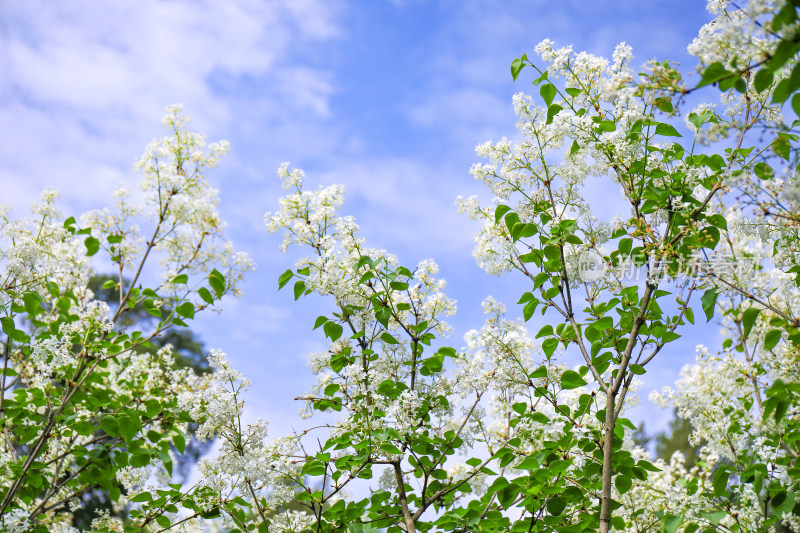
pixel 387 97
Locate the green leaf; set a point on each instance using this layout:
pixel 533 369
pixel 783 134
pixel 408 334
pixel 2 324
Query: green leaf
pixel 593 333
pixel 332 330
pixel 8 327
pixel 763 171
pixel 623 483
pixel 699 119
pixel 129 426
pixel 166 460
pixel 186 309
pixel 713 73
pixel 205 295
pixel 551 112
pixel 571 380
pixel 670 523
pixel 299 289
pixel 709 301
pixel 749 318
pixel 33 303
pixel 647 465
pixel 549 346
pixel 319 321
pixel 782 147
pixel 574 148
pixel 718 221
pixel 92 245
pixel 771 338
pixel 181 279
pixel 383 315
pixel 511 220
pixel 388 338
pixel 110 425
pixel 667 130
pixel 516 67
pixel 541 78
pixel 284 278
pixel 363 260
pixel 786 87
pixel 313 468
pixel 556 505
pixel 763 79
pixel 540 372
pixel 52 288
pixel 109 284
pixel 84 427
pixel 637 369
pixel 664 104
pixel 523 230
pixel 530 307
pixel 398 285
pixel 217 282
pixel 714 517
pixel 548 92
pixel 447 351
pixel 499 211
pixel 606 125
pixel 68 225
pixel 625 246
pixel 720 481
pixel 179 441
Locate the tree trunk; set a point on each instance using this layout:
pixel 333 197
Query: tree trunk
pixel 608 440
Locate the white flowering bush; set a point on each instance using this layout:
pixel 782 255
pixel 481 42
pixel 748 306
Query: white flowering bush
pixel 505 434
pixel 83 408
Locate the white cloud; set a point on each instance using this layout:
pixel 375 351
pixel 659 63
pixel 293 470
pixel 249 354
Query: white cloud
pixel 84 83
pixel 76 54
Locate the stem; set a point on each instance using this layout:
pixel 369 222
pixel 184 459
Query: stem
pixel 401 491
pixel 611 420
pixel 255 501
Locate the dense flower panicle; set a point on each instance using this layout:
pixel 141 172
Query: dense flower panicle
pixel 246 462
pixel 311 219
pixel 120 222
pixel 217 404
pixel 738 32
pixel 740 35
pixel 33 252
pixel 180 217
pixel 183 204
pixel 525 174
pixel 15 521
pixel 503 350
